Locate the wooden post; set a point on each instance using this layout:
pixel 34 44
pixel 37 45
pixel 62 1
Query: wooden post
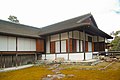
pixel 60 41
pixel 79 41
pixel 12 61
pixel 35 57
pixel 98 45
pixel 45 45
pixel 4 62
pixel 20 60
pixel 16 60
pixel 68 45
pixel 84 44
pixel 1 60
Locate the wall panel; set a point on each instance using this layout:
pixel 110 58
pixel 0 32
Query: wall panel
pixel 39 45
pixel 27 44
pixel 81 35
pixel 57 47
pixel 11 43
pixel 81 46
pixel 86 46
pixel 20 44
pixel 3 43
pixel 89 46
pixel 32 44
pixel 63 46
pixel 76 34
pixel 55 37
pixel 48 44
pixel 52 47
pixel 78 46
pixel 64 36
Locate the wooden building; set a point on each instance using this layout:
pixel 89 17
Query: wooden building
pixel 73 39
pixel 19 44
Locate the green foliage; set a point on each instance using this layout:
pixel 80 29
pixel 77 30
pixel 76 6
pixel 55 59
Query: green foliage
pixel 13 19
pixel 116 42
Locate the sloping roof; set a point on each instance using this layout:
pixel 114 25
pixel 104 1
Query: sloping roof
pixel 75 23
pixel 10 28
pixel 67 24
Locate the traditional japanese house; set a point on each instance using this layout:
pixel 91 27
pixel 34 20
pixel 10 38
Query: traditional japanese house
pixel 73 39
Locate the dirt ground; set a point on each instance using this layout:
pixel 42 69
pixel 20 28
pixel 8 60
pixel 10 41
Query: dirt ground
pixel 79 72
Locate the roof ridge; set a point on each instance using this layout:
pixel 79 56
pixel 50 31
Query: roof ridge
pixel 19 24
pixel 68 20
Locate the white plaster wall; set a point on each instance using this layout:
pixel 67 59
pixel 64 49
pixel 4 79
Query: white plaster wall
pixel 70 34
pixel 64 36
pixel 65 56
pixel 77 45
pixel 26 44
pixel 89 46
pixel 57 47
pixel 63 46
pixel 76 34
pixel 88 55
pixel 49 56
pixel 8 43
pixel 20 44
pixel 3 43
pixel 48 45
pixel 81 46
pixel 43 56
pixel 72 56
pixel 11 44
pixel 76 56
pixel 33 45
pixel 55 37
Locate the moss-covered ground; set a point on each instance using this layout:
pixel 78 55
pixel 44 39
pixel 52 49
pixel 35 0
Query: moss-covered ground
pixel 36 73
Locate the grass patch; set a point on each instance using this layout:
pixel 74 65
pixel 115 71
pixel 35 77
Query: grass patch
pixel 33 73
pixel 36 73
pixel 111 73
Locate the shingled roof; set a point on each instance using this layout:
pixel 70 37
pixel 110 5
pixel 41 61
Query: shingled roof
pixel 10 28
pixel 67 24
pixel 75 23
pixel 15 29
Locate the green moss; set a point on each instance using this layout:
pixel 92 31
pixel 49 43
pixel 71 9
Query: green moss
pixel 36 73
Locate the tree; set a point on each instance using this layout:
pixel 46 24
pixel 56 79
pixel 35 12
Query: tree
pixel 13 19
pixel 116 42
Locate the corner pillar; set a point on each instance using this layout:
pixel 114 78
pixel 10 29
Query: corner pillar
pixel 84 45
pixel 68 46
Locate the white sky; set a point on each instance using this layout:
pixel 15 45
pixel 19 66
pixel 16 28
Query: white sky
pixel 40 13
